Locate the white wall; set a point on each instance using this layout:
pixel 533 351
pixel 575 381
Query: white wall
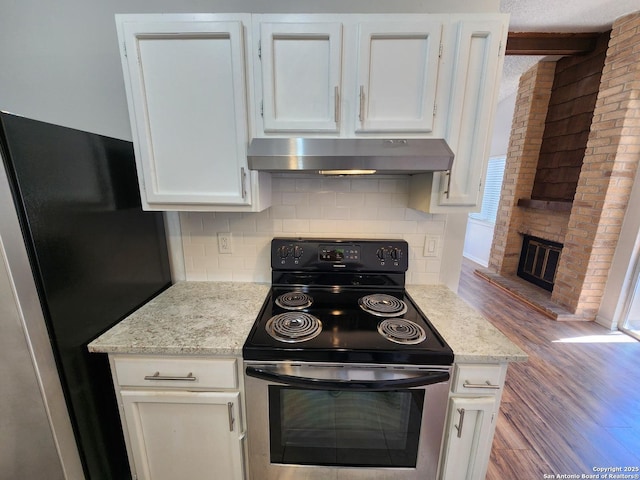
pixel 479 234
pixel 502 126
pixel 59 60
pixel 477 241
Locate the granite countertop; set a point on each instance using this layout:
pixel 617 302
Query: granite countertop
pixel 214 318
pixel 200 318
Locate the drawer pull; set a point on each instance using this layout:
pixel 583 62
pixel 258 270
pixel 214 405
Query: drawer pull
pixel 461 422
pixel 157 376
pixel 486 385
pixel 231 419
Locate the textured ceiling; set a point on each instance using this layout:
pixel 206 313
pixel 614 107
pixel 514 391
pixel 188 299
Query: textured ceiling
pixel 556 16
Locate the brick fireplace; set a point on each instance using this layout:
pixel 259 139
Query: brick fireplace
pixel 546 194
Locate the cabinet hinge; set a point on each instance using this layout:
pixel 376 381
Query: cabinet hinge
pixel 440 50
pixel 435 109
pixel 262 108
pixel 500 48
pixel 260 49
pixel 124 49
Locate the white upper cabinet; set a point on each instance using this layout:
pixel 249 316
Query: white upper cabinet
pixel 346 75
pixel 397 76
pixel 476 77
pixel 476 57
pixel 301 76
pixel 186 90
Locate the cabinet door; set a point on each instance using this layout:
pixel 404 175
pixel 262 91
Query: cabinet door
pixel 476 68
pixel 301 76
pixel 469 438
pixel 186 89
pixel 397 76
pixel 194 435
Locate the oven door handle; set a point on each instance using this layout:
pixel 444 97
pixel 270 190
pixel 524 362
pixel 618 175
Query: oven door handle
pixel 423 379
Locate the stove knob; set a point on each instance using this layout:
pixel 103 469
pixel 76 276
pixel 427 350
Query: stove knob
pixel 395 253
pixel 297 251
pixel 283 251
pixel 381 253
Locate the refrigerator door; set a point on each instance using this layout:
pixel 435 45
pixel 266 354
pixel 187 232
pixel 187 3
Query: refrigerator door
pixel 95 256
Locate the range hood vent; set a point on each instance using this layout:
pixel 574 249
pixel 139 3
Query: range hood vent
pixel 342 156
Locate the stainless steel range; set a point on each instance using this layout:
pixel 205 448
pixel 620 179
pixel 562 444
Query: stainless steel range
pixel 345 377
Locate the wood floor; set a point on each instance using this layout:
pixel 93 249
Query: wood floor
pixel 574 406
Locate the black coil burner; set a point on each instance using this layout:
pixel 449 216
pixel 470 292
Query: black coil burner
pixel 294 327
pixel 294 301
pixel 402 331
pixel 382 305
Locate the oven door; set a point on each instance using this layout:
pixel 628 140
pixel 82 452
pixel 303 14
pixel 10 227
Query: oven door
pixel 321 421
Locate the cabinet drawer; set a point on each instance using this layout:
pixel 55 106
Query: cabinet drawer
pixel 176 372
pixel 483 379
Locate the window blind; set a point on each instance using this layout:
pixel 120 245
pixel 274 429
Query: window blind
pixel 492 189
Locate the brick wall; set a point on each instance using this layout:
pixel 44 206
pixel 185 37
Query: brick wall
pixel 590 232
pixel 520 168
pixel 604 186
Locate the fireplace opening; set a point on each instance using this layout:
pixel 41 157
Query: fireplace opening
pixel 539 261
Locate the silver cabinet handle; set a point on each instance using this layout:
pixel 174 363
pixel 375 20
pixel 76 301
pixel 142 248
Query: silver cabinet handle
pixel 157 376
pixel 461 422
pixel 243 176
pixel 448 190
pixel 486 385
pixel 337 104
pixel 361 115
pixel 231 419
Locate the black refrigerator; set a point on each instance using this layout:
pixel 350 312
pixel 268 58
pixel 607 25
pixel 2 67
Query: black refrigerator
pixel 95 255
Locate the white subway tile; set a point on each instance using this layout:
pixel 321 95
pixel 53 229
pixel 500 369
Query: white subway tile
pixel 390 213
pixel 348 199
pixel 244 222
pixel 197 275
pixel 340 185
pixel 364 185
pixel 322 198
pixel 335 213
pixel 295 198
pixel 295 226
pixel 308 185
pixel 219 275
pixel 283 212
pixel 378 199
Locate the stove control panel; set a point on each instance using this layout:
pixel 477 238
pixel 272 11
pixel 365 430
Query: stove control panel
pixel 333 255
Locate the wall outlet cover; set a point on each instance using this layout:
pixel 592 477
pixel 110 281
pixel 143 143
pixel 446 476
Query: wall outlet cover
pixel 225 243
pixel 431 246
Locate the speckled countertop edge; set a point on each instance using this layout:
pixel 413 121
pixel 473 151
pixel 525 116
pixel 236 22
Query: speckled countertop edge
pixel 200 318
pixel 471 336
pixel 214 318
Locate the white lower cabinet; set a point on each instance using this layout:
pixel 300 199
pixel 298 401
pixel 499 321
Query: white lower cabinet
pixel 471 417
pixel 469 435
pixel 184 434
pixel 181 417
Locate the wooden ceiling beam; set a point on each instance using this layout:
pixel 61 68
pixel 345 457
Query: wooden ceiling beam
pixel 544 43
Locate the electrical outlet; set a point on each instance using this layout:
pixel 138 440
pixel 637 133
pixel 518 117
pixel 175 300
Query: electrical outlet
pixel 225 244
pixel 431 246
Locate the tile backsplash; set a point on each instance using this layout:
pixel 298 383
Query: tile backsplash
pixel 312 206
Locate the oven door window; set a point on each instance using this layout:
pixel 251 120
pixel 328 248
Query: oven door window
pixel 345 428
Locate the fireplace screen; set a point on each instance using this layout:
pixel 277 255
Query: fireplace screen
pixel 539 261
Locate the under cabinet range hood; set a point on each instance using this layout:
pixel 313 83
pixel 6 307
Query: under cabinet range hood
pixel 349 156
